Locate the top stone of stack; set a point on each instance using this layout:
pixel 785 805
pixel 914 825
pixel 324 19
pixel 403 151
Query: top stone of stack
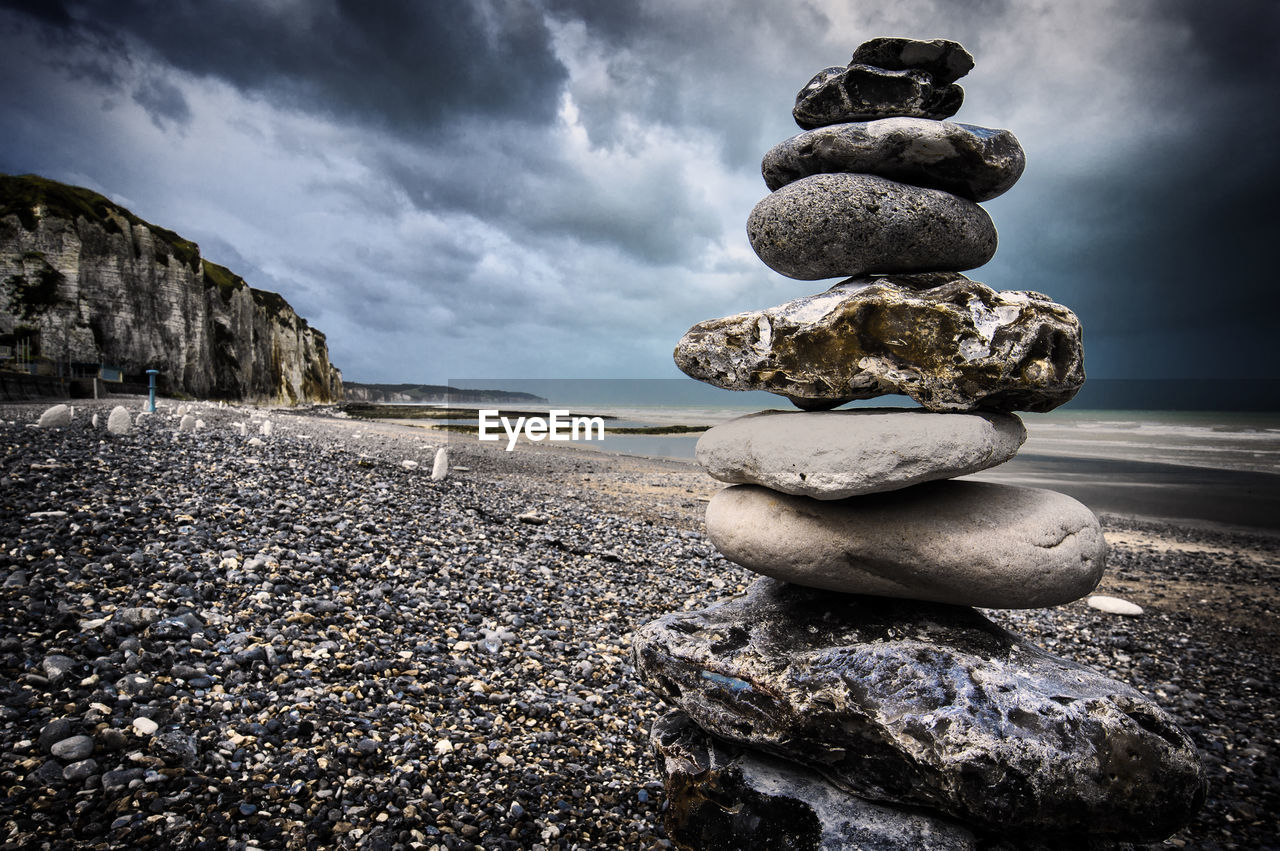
pixel 887 77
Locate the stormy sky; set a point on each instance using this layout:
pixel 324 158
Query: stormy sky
pixel 559 188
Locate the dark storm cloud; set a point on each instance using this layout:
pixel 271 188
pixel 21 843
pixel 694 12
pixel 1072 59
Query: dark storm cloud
pixel 403 65
pixel 163 101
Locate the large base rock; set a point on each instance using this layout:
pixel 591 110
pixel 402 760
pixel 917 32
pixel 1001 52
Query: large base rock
pixel 957 346
pixel 929 705
pixel 838 454
pixel 721 797
pixel 964 543
pixel 834 225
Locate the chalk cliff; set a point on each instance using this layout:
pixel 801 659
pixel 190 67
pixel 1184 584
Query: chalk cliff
pixel 84 281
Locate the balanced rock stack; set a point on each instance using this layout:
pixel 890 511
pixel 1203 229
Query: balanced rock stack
pixel 851 698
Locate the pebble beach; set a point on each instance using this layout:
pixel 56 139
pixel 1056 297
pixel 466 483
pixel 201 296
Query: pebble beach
pixel 310 643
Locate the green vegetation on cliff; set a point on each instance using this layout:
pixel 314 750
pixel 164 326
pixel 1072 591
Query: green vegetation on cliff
pixel 221 277
pixel 23 195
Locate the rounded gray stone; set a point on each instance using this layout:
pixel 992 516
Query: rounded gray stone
pixel 836 454
pixel 57 416
pixel 120 421
pixel 964 543
pixel 976 163
pixel 73 749
pixel 832 225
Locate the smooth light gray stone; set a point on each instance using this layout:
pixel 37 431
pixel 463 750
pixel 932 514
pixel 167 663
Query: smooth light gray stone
pixel 973 162
pixel 862 93
pixel 73 749
pixel 837 454
pixel 929 705
pixel 956 346
pixel 964 543
pixel 945 61
pixel 721 795
pixel 58 416
pixel 120 422
pixel 187 423
pixel 440 466
pixel 835 225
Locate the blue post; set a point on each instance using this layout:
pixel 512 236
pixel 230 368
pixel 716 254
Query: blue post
pixel 151 401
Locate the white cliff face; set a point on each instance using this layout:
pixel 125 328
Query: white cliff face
pixel 117 291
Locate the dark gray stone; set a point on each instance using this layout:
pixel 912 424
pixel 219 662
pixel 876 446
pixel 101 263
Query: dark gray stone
pixel 722 797
pixel 927 705
pixel 72 749
pixel 862 93
pixel 175 747
pixel 945 61
pixel 958 346
pixel 973 162
pixel 833 225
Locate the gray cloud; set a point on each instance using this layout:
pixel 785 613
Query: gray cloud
pixel 559 187
pixel 163 101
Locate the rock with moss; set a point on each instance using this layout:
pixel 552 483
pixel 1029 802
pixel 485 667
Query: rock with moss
pixel 835 225
pixel 956 345
pixel 923 704
pixel 972 162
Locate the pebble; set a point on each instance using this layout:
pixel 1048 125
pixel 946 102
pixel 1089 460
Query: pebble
pixel 58 416
pixel 145 726
pixel 1113 605
pixel 449 563
pixel 72 749
pixel 119 422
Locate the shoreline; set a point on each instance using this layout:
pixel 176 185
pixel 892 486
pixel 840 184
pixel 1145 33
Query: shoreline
pixel 378 658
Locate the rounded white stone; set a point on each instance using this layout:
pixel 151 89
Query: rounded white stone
pixel 965 543
pixel 838 454
pixel 145 726
pixel 120 421
pixel 1113 605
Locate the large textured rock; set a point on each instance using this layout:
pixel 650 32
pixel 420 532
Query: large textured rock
pixel 973 162
pixel 832 225
pixel 957 346
pixel 722 797
pixel 966 543
pixel 112 288
pixel 837 454
pixel 861 93
pixel 920 703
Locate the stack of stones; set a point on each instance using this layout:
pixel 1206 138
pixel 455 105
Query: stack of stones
pixel 852 698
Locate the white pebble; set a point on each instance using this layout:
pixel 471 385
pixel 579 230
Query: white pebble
pixel 1113 605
